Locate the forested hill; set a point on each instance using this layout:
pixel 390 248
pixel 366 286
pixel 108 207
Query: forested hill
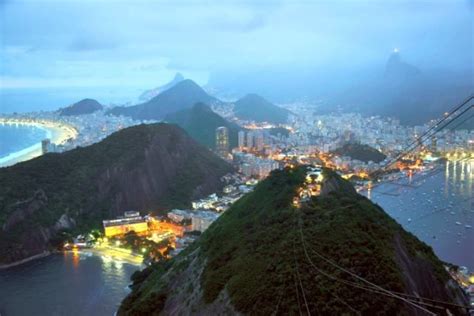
pixel 145 167
pixel 183 95
pixel 360 152
pixel 265 257
pixel 85 106
pixel 201 123
pixel 253 107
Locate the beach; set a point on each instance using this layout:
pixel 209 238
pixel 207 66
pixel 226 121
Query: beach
pixel 57 132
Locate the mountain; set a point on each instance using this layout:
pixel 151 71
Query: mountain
pixel 265 257
pixel 150 94
pixel 85 106
pixel 253 107
pixel 145 167
pixel 181 96
pixel 360 152
pixel 200 122
pixel 397 69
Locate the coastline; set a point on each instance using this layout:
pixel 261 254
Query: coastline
pixel 22 261
pixel 57 132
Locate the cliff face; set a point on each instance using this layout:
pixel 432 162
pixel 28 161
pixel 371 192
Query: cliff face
pixel 262 256
pixel 144 168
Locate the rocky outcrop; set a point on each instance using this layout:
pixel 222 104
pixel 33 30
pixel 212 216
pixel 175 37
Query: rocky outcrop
pixel 333 183
pixel 21 210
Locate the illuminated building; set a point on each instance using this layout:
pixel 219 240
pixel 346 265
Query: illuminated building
pixel 121 226
pixel 259 141
pixel 241 137
pixel 249 140
pixel 222 141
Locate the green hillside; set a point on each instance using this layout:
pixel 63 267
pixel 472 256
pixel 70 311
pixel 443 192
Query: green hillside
pixel 360 152
pixel 201 122
pixel 253 107
pixel 261 258
pixel 145 167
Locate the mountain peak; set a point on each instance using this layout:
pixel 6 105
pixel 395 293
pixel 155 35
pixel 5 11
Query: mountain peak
pixel 397 68
pixel 183 95
pixel 85 106
pixel 253 107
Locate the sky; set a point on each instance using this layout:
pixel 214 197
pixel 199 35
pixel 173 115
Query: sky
pixel 136 43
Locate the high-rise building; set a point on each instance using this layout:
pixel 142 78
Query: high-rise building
pixel 259 140
pixel 241 136
pixel 222 141
pixel 45 145
pixel 250 140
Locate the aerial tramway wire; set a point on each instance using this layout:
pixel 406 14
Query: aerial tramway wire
pixel 444 118
pixel 414 144
pixel 375 286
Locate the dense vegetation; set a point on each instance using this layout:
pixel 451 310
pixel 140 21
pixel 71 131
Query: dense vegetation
pixel 182 95
pixel 263 253
pixel 85 106
pixel 143 167
pixel 253 107
pixel 360 152
pixel 201 123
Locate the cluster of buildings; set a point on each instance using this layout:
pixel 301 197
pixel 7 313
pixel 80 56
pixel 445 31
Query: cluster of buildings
pixel 251 165
pixel 253 140
pixel 89 128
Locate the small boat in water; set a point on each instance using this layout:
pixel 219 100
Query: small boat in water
pixel 458 223
pixel 468 226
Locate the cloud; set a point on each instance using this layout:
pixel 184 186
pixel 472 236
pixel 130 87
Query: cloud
pixel 151 39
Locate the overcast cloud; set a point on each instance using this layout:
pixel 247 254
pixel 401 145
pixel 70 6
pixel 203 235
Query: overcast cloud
pixel 143 43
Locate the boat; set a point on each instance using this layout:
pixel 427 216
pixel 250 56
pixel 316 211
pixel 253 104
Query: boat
pixel 468 226
pixel 458 223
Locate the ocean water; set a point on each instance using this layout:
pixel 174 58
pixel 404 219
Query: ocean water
pixel 65 284
pixel 437 207
pixel 14 138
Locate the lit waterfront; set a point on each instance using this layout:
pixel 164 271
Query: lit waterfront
pixel 58 132
pixel 65 284
pixel 438 207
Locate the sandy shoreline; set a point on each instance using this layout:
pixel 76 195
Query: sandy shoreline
pixel 57 132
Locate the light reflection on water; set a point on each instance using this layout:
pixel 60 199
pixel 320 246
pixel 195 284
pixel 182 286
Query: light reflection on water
pixel 438 208
pixel 68 284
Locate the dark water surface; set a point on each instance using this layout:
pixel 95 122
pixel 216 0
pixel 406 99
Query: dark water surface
pixel 64 284
pixel 438 207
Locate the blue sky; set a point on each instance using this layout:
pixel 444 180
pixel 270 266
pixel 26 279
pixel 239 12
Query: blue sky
pixel 143 43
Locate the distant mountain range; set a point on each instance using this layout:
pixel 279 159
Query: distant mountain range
pixel 255 108
pixel 85 106
pixel 145 167
pixel 185 94
pixel 201 123
pixel 396 88
pixel 181 96
pixel 264 257
pixel 150 94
